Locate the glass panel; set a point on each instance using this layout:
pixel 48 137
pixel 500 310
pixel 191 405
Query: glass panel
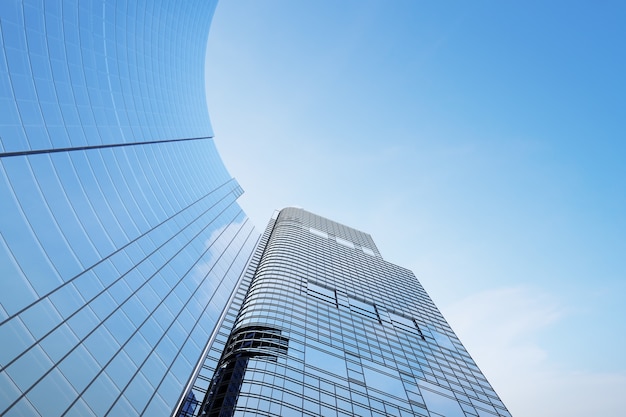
pixel 362 305
pixel 40 318
pixel 387 381
pixel 139 391
pixel 9 392
pixel 123 408
pixel 442 339
pixel 101 394
pixel 29 367
pixel 15 288
pixel 21 339
pixel 52 395
pixel 101 345
pixel 121 370
pixel 80 409
pixel 58 343
pixel 324 360
pixel 368 251
pixel 317 288
pixel 67 300
pixel 345 242
pixel 318 232
pixel 442 404
pixel 79 367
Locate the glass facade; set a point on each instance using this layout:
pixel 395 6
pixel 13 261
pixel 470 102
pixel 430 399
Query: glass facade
pixel 121 240
pixel 322 325
pixel 129 279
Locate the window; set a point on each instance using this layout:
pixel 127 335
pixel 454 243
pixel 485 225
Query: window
pixel 368 251
pixel 344 242
pixel 323 293
pixel 318 232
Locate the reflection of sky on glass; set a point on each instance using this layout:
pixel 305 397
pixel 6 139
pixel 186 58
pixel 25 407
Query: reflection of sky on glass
pixel 323 360
pixel 213 246
pixel 321 290
pixel 101 93
pixel 442 339
pixel 442 405
pixel 111 194
pixel 391 385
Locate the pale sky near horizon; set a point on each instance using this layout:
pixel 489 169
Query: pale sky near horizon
pixel 481 144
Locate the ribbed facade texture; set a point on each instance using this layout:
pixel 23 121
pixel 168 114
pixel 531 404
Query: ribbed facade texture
pixel 120 236
pixel 323 326
pixel 131 283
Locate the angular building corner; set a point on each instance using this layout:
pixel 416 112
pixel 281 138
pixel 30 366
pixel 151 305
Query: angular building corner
pixel 120 235
pixel 322 325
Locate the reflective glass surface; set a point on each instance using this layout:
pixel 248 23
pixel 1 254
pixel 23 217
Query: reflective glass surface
pixel 362 336
pixel 120 235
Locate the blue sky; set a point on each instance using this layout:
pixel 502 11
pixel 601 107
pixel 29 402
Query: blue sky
pixel 481 144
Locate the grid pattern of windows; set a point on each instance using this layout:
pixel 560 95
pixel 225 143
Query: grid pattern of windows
pixel 363 336
pixel 120 236
pixel 192 400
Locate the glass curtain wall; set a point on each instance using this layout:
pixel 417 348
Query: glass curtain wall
pixel 120 236
pixel 328 327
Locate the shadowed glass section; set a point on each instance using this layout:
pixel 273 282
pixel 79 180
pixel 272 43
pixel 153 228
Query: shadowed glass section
pixel 245 343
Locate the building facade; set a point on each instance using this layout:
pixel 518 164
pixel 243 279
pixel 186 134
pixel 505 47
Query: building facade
pixel 120 236
pixel 323 326
pixel 129 279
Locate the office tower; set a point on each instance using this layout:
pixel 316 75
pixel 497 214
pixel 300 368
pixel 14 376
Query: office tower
pixel 323 326
pixel 120 236
pixel 128 280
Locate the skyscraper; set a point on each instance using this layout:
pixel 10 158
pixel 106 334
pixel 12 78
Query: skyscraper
pixel 129 279
pixel 120 236
pixel 323 325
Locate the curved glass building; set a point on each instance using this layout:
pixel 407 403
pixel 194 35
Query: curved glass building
pixel 131 283
pixel 120 236
pixel 324 326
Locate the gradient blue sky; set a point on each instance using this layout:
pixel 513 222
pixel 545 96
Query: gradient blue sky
pixel 482 145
